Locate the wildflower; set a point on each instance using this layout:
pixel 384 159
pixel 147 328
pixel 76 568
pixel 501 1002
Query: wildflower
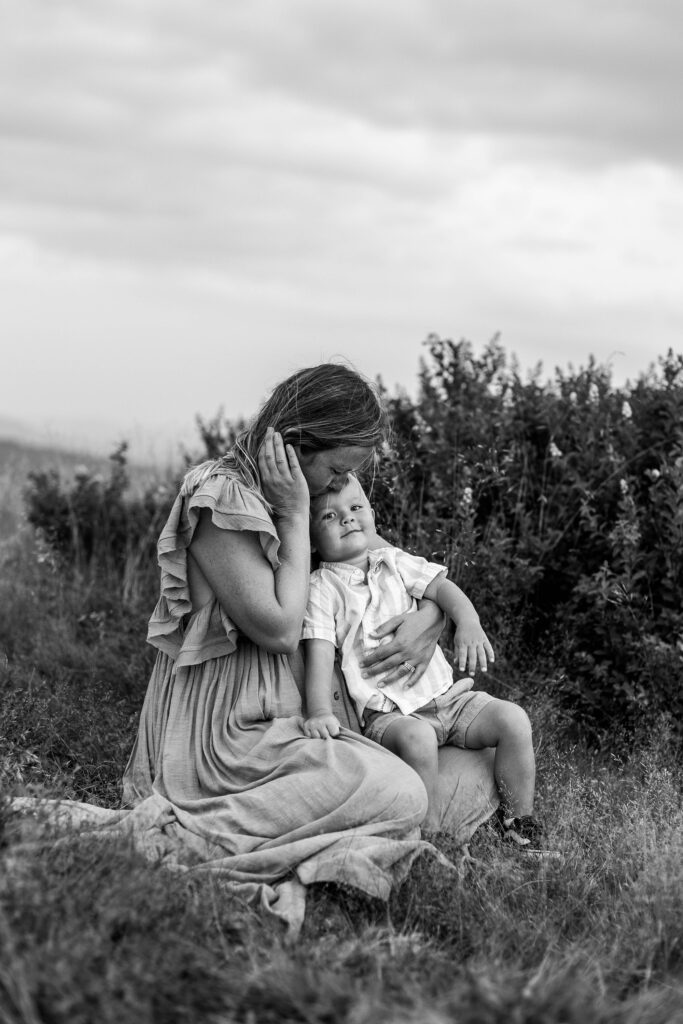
pixel 652 474
pixel 593 393
pixel 553 451
pixel 626 411
pixel 573 397
pixel 467 496
pixel 623 486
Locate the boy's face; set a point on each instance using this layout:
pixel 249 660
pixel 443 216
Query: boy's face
pixel 342 524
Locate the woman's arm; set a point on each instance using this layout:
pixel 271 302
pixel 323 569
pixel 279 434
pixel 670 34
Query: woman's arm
pixel 321 722
pixel 414 640
pixel 267 606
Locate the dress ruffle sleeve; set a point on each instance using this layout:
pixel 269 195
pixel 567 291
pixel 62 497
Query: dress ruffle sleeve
pixel 208 633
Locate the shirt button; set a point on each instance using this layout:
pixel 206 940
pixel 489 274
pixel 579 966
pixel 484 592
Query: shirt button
pixel 336 694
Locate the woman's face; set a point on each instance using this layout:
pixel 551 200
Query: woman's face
pixel 329 470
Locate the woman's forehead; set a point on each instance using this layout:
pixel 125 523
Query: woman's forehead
pixel 346 458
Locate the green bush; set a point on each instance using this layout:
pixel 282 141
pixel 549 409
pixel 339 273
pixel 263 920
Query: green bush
pixel 96 528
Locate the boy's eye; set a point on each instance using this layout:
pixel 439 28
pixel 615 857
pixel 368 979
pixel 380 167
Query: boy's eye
pixel 327 515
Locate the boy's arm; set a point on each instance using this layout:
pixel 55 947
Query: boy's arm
pixel 472 645
pixel 320 721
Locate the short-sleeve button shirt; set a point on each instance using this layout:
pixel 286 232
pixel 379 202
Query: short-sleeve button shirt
pixel 345 606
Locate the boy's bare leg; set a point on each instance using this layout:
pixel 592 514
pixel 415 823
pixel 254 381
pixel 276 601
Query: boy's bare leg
pixel 506 727
pixel 415 743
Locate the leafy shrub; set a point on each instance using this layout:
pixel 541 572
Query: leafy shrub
pixel 95 527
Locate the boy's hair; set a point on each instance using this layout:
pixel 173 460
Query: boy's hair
pixel 319 408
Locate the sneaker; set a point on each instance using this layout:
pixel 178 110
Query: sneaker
pixel 525 833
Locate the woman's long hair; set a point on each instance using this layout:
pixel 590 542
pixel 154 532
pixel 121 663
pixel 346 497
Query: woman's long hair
pixel 318 409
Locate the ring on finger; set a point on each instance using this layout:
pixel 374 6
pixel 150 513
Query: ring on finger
pixel 408 667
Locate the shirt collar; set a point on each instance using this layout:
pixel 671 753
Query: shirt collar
pixel 346 572
pixel 351 573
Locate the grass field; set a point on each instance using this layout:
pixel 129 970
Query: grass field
pixel 91 933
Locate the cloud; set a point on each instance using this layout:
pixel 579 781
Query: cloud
pixel 301 178
pixel 599 82
pixel 163 131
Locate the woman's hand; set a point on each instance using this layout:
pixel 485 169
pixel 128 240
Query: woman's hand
pixel 284 485
pixel 405 656
pixel 323 727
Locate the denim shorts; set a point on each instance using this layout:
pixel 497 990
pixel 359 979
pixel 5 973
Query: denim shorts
pixel 450 715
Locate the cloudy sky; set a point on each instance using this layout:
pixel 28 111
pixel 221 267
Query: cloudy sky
pixel 197 198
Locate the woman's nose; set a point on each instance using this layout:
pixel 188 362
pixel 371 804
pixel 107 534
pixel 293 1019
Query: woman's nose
pixel 337 483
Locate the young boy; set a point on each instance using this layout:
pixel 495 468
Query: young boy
pixel 355 589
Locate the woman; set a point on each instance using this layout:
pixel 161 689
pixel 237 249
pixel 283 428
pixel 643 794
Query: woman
pixel 221 749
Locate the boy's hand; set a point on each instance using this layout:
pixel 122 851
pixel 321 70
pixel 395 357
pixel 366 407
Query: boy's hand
pixel 472 647
pixel 322 727
pixel 284 485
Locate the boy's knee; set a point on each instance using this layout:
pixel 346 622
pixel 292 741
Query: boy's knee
pixel 514 720
pixel 414 740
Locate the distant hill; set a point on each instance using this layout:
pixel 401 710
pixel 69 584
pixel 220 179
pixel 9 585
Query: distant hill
pixel 94 439
pixel 21 456
pixel 18 459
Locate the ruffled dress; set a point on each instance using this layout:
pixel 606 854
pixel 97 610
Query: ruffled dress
pixel 221 776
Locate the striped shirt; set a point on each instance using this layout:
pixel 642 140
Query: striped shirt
pixel 345 606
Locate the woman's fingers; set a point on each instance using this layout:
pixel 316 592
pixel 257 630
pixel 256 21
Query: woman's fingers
pixel 292 459
pixel 278 459
pixel 407 673
pixel 390 626
pixel 279 452
pixel 381 658
pixel 272 453
pixel 266 453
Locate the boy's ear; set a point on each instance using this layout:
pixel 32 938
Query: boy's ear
pixel 373 514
